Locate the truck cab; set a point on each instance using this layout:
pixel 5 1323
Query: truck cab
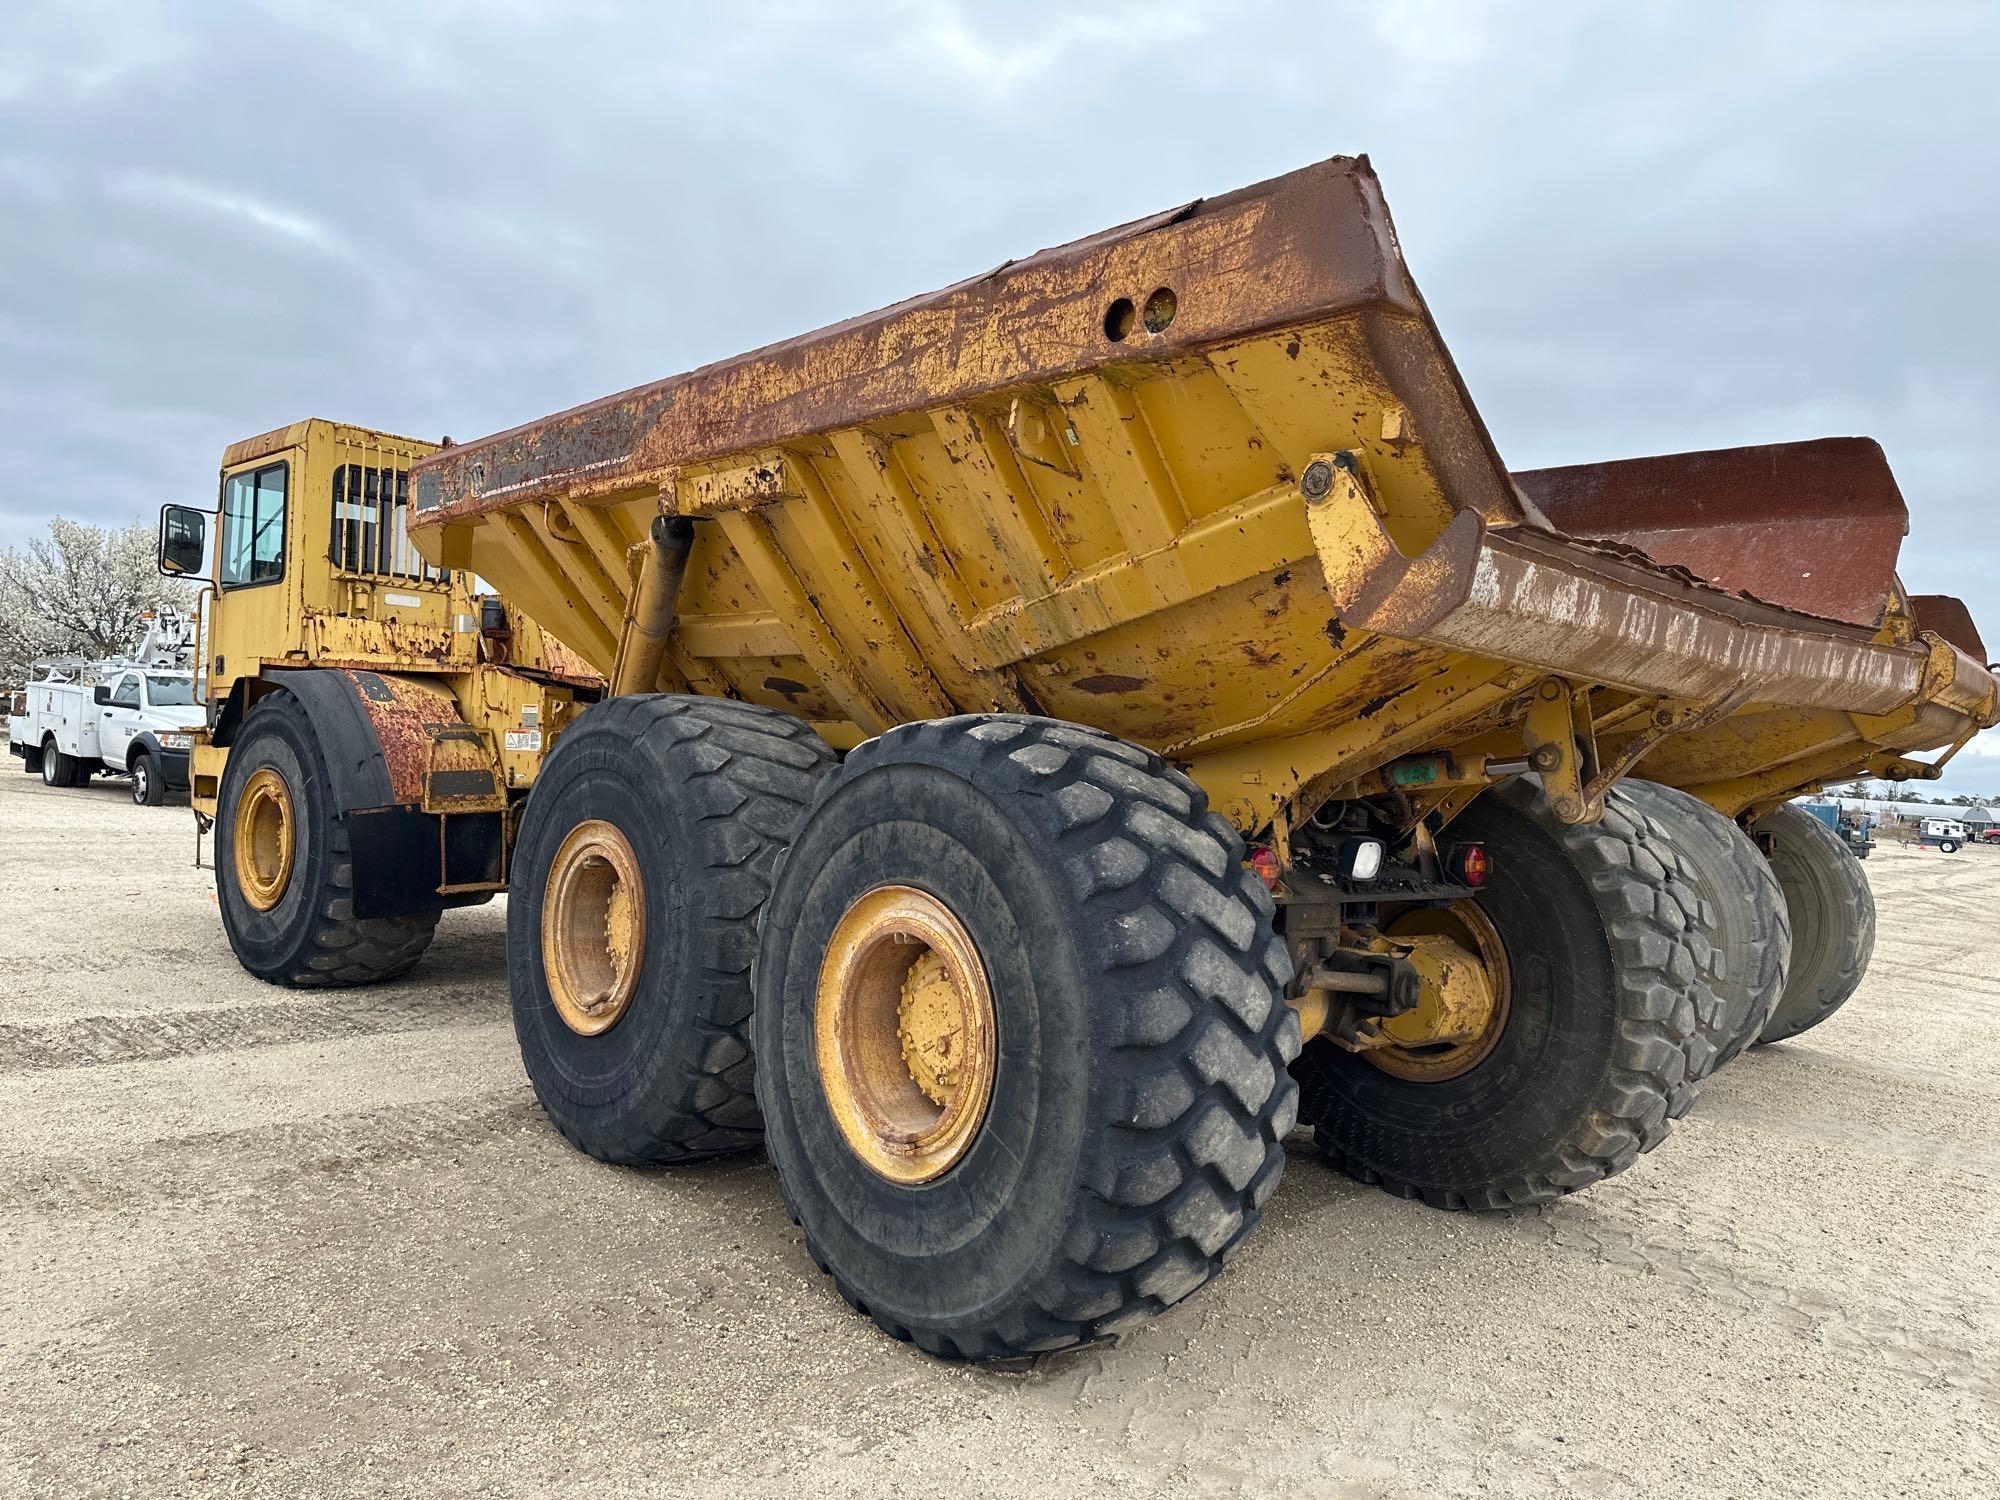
pixel 146 720
pixel 398 712
pixel 314 564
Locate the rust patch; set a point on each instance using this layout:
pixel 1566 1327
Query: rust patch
pixel 1943 615
pixel 433 757
pixel 1296 250
pixel 1109 682
pixel 788 686
pixel 1812 527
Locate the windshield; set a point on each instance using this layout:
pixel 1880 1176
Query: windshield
pixel 169 692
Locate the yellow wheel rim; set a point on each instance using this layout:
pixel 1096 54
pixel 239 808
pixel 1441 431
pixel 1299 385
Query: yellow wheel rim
pixel 904 1034
pixel 593 927
pixel 1468 926
pixel 264 839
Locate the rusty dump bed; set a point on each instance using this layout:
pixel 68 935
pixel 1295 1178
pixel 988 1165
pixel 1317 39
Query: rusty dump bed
pixel 1211 481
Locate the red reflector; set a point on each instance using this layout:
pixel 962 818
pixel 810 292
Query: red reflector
pixel 1472 864
pixel 1265 862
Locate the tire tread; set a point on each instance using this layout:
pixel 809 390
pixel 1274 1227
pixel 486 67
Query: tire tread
pixel 1189 1153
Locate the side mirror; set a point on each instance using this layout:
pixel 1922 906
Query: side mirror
pixel 101 693
pixel 183 540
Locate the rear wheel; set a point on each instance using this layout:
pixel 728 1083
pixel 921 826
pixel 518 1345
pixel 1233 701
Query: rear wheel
pixel 1021 1042
pixel 59 769
pixel 284 871
pixel 1596 994
pixel 643 861
pixel 147 788
pixel 1833 919
pixel 1744 910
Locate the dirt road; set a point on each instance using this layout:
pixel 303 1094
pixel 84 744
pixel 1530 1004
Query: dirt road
pixel 254 1242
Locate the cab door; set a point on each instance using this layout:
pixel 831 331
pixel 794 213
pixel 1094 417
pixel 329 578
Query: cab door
pixel 254 615
pixel 118 721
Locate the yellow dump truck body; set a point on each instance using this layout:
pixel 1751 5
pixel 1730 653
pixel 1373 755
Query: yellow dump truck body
pixel 1211 482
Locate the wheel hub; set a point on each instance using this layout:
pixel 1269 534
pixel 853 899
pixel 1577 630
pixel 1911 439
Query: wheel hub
pixel 265 839
pixel 593 927
pixel 1467 991
pixel 905 1034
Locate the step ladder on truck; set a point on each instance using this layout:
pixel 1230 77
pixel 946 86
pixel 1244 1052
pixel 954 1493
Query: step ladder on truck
pixel 1070 727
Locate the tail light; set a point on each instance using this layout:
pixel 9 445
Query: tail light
pixel 1264 861
pixel 1468 864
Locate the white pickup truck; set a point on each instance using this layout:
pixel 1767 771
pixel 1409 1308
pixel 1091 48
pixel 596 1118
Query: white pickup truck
pixel 121 718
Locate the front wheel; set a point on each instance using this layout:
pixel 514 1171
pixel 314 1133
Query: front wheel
pixel 1021 1036
pixel 147 788
pixel 1947 846
pixel 284 869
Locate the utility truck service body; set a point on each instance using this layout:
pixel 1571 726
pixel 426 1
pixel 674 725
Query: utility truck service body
pixel 1071 727
pixel 130 716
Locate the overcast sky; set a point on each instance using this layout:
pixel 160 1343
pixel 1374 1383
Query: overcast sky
pixel 1642 228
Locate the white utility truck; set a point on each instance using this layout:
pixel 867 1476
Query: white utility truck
pixel 124 716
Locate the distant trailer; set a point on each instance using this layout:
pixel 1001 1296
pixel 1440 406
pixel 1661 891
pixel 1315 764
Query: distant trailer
pixel 1947 834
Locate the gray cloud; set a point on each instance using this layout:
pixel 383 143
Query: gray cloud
pixel 1642 227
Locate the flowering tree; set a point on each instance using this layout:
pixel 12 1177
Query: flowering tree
pixel 79 591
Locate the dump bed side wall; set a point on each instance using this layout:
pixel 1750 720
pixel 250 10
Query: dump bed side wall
pixel 1023 494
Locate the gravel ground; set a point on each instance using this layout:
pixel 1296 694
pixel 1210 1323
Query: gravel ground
pixel 260 1243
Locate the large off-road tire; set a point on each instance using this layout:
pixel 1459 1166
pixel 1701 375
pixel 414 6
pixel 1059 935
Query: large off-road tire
pixel 59 769
pixel 1127 1106
pixel 148 789
pixel 1604 964
pixel 1833 919
pixel 300 930
pixel 1749 929
pixel 687 803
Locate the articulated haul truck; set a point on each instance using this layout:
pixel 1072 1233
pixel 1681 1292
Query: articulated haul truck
pixel 1070 727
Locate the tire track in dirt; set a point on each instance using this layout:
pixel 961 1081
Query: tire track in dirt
pixel 1923 1335
pixel 307 1160
pixel 93 1041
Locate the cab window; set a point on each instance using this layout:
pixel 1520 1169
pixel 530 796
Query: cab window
pixel 253 526
pixel 371 525
pixel 126 694
pixel 169 692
